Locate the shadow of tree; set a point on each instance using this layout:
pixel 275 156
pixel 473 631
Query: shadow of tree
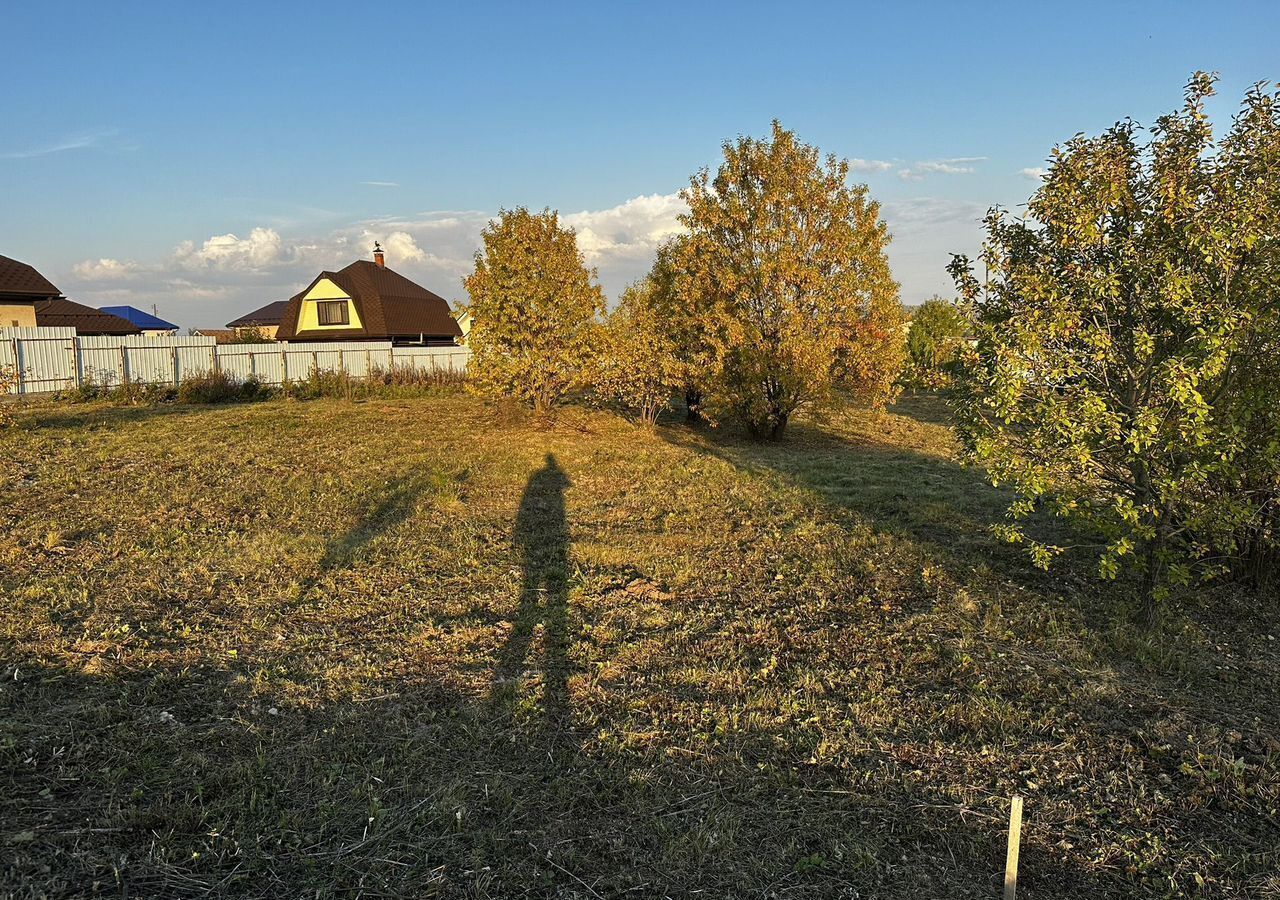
pixel 925 407
pixel 394 503
pixel 944 507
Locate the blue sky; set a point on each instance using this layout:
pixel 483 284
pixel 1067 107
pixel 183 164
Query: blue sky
pixel 212 158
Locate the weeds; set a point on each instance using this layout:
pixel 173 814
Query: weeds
pixel 221 387
pixel 397 381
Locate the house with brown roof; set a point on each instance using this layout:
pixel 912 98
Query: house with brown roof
pixel 87 321
pixel 265 320
pixel 367 301
pixel 28 300
pixel 21 287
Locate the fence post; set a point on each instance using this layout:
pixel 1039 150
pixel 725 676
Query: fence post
pixel 253 369
pixel 173 351
pixel 315 361
pixel 17 365
pixel 368 366
pixel 74 349
pixel 342 361
pixel 124 364
pixel 284 366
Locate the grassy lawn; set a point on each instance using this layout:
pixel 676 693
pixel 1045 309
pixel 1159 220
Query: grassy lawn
pixel 426 647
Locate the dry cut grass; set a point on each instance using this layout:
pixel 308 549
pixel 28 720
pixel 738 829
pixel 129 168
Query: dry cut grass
pixel 428 647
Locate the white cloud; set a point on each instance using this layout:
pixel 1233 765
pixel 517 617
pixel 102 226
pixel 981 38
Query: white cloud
pixel 381 183
pixel 82 141
pixel 628 231
pixel 105 269
pixel 944 168
pixel 869 165
pixel 954 165
pixel 400 245
pixel 1035 173
pixel 260 249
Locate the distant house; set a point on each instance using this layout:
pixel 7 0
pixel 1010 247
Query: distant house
pixel 464 322
pixel 29 300
pixel 151 325
pixel 87 321
pixel 21 287
pixel 367 301
pixel 266 320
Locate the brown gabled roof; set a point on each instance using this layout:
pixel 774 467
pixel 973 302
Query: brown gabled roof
pixel 388 304
pixel 22 279
pixel 267 315
pixel 63 313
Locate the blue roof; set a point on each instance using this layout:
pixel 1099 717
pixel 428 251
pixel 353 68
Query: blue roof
pixel 143 320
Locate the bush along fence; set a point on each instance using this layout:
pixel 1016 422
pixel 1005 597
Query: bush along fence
pixel 46 360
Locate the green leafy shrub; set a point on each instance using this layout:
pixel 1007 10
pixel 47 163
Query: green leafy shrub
pixel 934 341
pixel 1124 369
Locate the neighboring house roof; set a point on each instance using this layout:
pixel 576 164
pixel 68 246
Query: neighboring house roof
pixel 267 315
pixel 18 278
pixel 219 335
pixel 144 320
pixel 387 303
pixel 63 313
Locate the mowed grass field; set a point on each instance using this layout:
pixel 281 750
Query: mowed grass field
pixel 432 647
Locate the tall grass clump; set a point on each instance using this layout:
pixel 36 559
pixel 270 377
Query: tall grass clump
pixel 407 376
pixel 394 381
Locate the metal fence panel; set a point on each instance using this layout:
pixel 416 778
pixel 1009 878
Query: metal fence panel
pixel 52 359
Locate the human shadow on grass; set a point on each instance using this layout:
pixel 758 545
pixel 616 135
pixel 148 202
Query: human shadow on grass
pixel 541 535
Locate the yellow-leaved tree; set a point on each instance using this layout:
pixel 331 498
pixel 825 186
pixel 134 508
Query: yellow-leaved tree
pixel 788 261
pixel 685 320
pixel 535 309
pixel 639 363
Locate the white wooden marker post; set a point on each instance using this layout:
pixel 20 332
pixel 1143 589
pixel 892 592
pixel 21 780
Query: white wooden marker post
pixel 1011 855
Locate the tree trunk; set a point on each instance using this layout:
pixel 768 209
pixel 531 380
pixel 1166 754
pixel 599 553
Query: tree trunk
pixel 692 405
pixel 1149 608
pixel 779 426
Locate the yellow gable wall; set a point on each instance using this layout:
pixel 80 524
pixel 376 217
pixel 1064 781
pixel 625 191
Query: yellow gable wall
pixel 23 314
pixel 309 319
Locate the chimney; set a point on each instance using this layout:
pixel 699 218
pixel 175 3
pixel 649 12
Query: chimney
pixel 378 256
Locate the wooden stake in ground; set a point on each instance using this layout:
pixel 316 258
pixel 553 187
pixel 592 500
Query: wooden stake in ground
pixel 1011 855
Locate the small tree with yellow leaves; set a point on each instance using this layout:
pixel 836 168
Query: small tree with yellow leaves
pixel 535 310
pixel 639 364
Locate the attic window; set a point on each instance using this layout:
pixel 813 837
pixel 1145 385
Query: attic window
pixel 333 312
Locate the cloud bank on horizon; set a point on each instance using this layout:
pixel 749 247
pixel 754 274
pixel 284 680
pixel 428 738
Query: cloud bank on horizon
pixel 205 283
